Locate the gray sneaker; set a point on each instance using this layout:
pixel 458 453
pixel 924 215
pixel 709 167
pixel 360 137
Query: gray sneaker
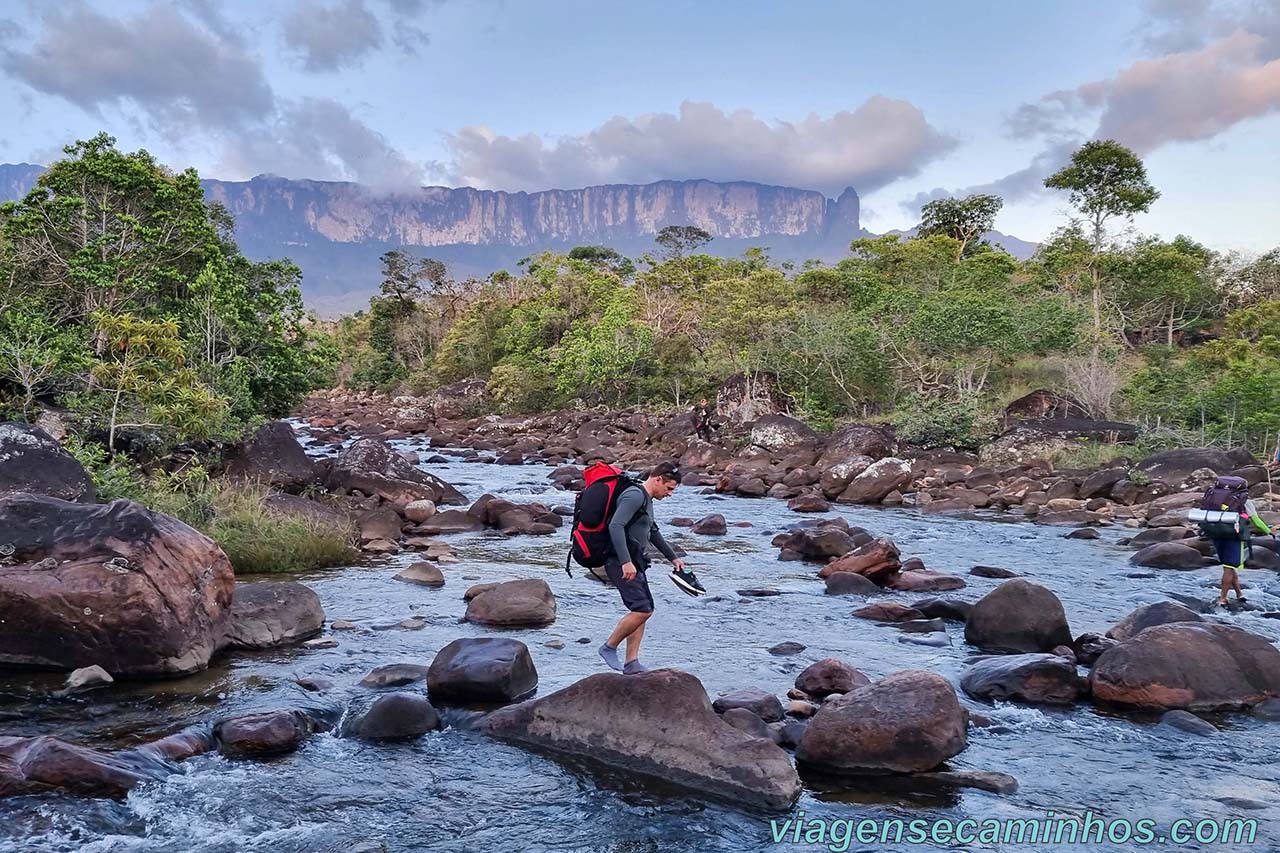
pixel 610 656
pixel 634 667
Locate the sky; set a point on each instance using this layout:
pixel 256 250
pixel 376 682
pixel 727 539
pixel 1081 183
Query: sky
pixel 905 102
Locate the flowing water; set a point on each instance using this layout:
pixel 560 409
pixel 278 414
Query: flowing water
pixel 454 790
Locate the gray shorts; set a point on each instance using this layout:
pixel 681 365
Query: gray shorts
pixel 635 592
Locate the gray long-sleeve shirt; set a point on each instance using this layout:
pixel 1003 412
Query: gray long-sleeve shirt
pixel 632 526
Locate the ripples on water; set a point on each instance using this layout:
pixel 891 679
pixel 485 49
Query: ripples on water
pixel 456 791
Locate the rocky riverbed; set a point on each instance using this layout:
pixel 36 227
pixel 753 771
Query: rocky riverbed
pixel 765 623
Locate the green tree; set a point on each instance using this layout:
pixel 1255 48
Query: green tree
pixel 1106 180
pixel 964 220
pixel 681 240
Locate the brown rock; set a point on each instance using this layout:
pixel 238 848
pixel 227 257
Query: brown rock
pixel 877 561
pixel 136 592
pixel 526 603
pixel 828 676
pixel 907 722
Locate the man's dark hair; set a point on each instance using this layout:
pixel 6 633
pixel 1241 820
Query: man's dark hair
pixel 666 470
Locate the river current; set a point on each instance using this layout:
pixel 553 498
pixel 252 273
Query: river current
pixel 454 790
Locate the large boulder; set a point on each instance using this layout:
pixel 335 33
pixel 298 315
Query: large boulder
pixel 781 433
pixel 133 591
pixel 31 461
pixel 905 723
pixel 1174 466
pixel 372 467
pixel 1150 615
pixel 1195 666
pixel 746 397
pixel 482 669
pixel 877 481
pixel 525 603
pixel 660 724
pixel 273 456
pixel 857 440
pixel 1169 555
pixel 1018 616
pixel 1038 678
pixel 273 613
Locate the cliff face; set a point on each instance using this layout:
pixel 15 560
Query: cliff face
pixel 296 211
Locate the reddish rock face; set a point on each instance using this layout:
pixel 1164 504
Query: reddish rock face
pixel 907 722
pixel 135 592
pixel 926 581
pixel 657 723
pixel 1194 666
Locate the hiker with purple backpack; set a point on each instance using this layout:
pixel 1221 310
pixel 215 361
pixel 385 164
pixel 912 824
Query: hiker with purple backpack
pixel 1228 518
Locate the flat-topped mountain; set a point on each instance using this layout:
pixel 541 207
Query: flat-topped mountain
pixel 336 231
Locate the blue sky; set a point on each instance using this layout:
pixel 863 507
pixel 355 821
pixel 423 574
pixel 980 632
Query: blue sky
pixel 904 101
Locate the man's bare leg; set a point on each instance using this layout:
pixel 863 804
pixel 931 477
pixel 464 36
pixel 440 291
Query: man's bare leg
pixel 628 625
pixel 1228 581
pixel 633 642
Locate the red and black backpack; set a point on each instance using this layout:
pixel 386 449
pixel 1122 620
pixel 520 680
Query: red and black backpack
pixel 589 535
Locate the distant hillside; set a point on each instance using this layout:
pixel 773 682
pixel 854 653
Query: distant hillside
pixel 336 231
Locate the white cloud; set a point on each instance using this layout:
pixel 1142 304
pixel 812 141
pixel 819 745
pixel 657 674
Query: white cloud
pixel 879 142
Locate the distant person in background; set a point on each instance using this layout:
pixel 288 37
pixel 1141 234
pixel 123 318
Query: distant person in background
pixel 702 419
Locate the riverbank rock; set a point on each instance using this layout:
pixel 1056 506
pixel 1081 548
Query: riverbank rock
pixel 135 592
pixel 272 456
pixel 829 675
pixel 1017 616
pixel 31 461
pixel 1150 615
pixel 777 433
pixel 877 481
pixel 1191 666
pixel 857 440
pixel 482 669
pixel 273 613
pixel 525 603
pixel 390 716
pixel 660 724
pixel 906 722
pixel 372 467
pixel 394 675
pixel 1036 678
pixel 1172 467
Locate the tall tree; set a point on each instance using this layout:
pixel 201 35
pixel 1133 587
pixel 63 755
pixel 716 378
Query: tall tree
pixel 1106 180
pixel 964 220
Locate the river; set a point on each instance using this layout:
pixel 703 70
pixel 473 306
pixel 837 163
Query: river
pixel 454 790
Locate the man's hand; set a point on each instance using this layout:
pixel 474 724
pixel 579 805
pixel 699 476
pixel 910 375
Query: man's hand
pixel 678 563
pixel 628 571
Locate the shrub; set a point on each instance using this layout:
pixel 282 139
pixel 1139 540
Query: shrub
pixel 960 423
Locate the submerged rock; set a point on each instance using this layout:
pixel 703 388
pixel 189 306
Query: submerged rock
pixel 1036 678
pixel 390 716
